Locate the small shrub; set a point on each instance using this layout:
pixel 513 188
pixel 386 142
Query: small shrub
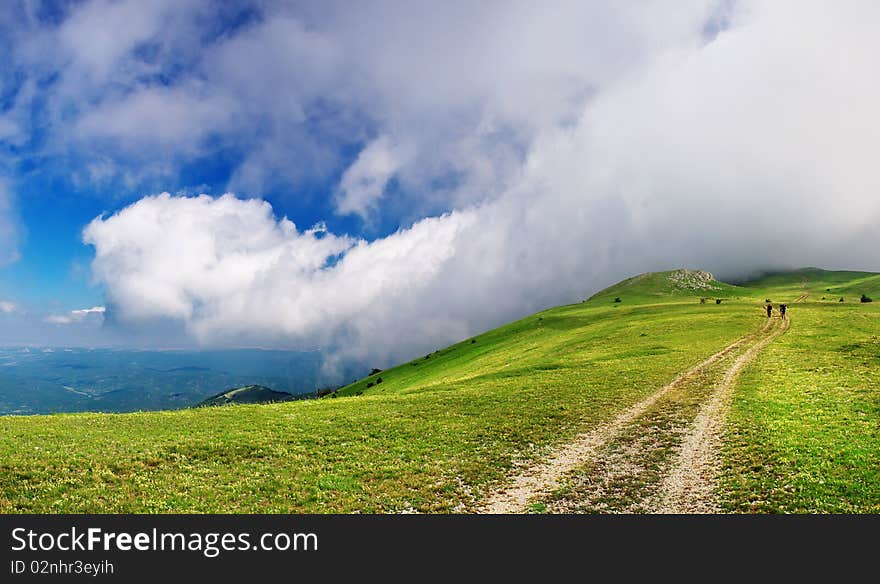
pixel 374 371
pixel 768 301
pixel 717 301
pixel 378 381
pixel 618 299
pixel 702 301
pixel 841 299
pixel 370 384
pixel 865 299
pixel 473 341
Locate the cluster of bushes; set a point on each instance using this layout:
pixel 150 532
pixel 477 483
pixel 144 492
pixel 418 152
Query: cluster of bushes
pixel 325 391
pixel 866 298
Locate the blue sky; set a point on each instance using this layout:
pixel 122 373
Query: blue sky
pixel 53 199
pixel 405 174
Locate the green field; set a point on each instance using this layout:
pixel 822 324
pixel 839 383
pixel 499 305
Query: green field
pixel 805 423
pixel 441 432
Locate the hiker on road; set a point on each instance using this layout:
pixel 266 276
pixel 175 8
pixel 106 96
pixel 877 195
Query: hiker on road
pixel 769 310
pixel 782 308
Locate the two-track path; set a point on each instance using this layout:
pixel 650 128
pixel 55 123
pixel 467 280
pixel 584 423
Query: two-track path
pixel 690 485
pixel 608 469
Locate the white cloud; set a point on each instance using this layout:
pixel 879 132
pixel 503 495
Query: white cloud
pixel 464 88
pixel 575 166
pixel 7 307
pixel 9 130
pixel 165 118
pixel 363 184
pixel 232 272
pixel 76 316
pixel 100 33
pixel 10 227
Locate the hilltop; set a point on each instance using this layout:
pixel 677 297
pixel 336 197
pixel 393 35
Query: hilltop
pixel 596 406
pixel 250 394
pixel 655 285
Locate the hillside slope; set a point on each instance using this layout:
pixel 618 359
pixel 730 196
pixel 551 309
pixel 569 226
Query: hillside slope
pixel 249 394
pixel 442 432
pixel 549 339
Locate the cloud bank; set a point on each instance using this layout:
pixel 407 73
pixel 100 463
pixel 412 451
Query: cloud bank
pixel 76 316
pixel 532 156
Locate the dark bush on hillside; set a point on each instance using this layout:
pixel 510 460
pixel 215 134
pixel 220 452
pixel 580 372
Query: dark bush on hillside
pixel 473 341
pixel 378 381
pixel 325 391
pixel 841 299
pixel 374 371
pixel 618 299
pixel 866 299
pixel 370 384
pixel 768 301
pixel 717 301
pixel 702 301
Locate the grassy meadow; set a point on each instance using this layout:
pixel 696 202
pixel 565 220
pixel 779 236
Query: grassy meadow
pixel 804 428
pixel 437 433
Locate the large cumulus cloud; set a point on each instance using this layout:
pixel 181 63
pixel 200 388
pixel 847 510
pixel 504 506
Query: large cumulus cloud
pixel 573 147
pixel 231 272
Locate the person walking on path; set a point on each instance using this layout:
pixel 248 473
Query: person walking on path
pixel 782 308
pixel 769 310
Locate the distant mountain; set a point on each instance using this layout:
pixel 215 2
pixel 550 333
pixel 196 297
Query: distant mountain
pixel 249 394
pixel 117 380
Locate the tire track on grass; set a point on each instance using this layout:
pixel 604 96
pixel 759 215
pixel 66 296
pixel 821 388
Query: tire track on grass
pixel 690 486
pixel 544 477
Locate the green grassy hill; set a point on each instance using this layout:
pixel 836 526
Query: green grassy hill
pixel 249 394
pixel 554 339
pixel 657 286
pixel 440 432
